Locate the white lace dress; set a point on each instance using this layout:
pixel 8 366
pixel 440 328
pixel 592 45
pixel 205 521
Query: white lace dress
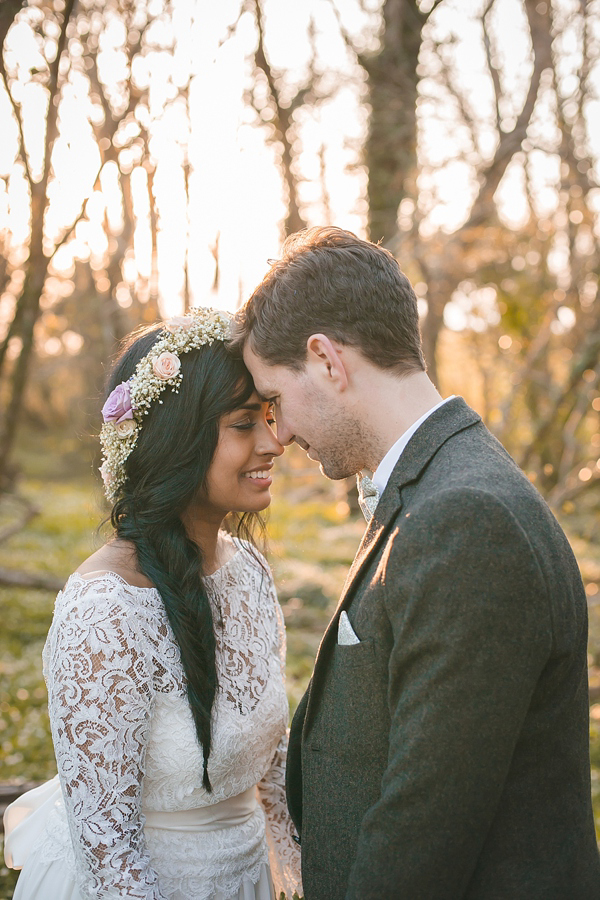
pixel 127 815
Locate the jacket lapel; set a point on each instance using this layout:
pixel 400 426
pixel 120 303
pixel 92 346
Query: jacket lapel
pixel 445 422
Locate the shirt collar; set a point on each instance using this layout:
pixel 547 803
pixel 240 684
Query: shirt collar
pixel 382 473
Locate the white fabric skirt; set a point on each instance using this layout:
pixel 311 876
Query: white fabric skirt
pixel 49 882
pixel 26 821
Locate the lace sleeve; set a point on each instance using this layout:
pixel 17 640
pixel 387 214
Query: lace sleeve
pixel 99 673
pixel 284 852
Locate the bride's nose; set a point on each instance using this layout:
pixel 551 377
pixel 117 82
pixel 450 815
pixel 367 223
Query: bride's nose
pixel 268 442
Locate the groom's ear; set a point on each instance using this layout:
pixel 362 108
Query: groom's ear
pixel 325 359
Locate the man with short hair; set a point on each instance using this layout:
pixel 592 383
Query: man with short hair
pixel 441 749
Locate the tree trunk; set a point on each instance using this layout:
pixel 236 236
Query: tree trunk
pixel 391 146
pixel 27 312
pixel 439 289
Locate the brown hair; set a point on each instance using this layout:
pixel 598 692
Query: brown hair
pixel 332 282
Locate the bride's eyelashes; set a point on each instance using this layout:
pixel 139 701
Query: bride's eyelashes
pixel 247 425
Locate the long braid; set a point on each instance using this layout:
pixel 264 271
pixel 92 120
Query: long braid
pixel 173 563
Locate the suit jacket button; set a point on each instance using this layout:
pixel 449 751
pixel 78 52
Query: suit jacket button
pixel 296 838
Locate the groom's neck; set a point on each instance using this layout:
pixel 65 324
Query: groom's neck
pixel 390 404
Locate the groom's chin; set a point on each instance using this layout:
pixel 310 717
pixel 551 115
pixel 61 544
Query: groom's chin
pixel 334 472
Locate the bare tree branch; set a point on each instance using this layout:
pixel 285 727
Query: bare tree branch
pixel 458 96
pixel 231 29
pixel 494 73
pixel 67 234
pixel 588 359
pixel 26 580
pixel 576 488
pixel 510 142
pixel 52 119
pixel 98 87
pixel 537 348
pixel 346 36
pixel 12 332
pixel 282 123
pixel 8 13
pixel 27 512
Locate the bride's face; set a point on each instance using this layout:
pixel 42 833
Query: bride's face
pixel 240 474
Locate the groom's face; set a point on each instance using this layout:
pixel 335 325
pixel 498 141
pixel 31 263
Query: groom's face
pixel 304 414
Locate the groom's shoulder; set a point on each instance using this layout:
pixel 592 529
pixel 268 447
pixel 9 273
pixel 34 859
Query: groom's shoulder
pixel 475 460
pixel 473 483
pixel 473 497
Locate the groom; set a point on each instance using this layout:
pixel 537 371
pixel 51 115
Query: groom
pixel 441 749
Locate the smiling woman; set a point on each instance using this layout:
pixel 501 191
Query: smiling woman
pixel 164 662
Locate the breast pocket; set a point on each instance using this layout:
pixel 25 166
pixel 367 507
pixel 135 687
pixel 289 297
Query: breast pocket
pixel 354 655
pixel 352 707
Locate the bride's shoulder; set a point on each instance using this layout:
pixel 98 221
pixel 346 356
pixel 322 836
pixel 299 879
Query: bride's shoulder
pixel 116 557
pixel 108 581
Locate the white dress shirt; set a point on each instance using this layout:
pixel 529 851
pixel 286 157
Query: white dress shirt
pixel 385 468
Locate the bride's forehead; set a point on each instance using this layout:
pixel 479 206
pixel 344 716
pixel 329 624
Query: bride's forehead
pixel 253 403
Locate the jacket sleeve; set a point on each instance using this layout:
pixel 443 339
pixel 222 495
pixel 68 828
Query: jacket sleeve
pixel 100 689
pixel 468 609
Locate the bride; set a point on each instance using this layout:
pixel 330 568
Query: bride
pixel 164 661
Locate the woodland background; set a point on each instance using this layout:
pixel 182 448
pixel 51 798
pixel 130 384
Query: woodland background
pixel 153 155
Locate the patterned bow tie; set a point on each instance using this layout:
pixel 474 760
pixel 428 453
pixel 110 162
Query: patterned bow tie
pixel 368 496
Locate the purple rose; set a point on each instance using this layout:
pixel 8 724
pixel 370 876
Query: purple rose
pixel 118 405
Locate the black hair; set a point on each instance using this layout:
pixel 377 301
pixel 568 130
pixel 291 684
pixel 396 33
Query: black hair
pixel 164 473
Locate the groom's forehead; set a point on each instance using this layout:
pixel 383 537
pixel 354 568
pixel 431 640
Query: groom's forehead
pixel 267 385
pixel 260 374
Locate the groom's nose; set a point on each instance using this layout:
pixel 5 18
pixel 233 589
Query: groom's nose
pixel 285 435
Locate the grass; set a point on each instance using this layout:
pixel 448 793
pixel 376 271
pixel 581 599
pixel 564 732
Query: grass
pixel 312 542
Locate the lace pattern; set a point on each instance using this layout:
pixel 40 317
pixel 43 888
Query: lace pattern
pixel 125 740
pixel 283 850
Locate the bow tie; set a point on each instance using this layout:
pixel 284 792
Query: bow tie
pixel 368 496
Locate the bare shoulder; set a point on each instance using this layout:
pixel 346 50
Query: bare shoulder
pixel 115 556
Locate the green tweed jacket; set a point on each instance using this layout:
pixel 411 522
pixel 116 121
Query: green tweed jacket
pixel 445 756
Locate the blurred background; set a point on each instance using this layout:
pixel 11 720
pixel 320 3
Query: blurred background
pixel 153 156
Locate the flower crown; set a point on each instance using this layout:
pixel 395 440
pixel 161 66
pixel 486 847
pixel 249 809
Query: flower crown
pixel 131 400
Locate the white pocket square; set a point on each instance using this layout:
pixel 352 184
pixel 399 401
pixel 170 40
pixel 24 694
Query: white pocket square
pixel 346 635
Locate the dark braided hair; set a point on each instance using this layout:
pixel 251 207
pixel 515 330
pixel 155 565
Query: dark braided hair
pixel 164 473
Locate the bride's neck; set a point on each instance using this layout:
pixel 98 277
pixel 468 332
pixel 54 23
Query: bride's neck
pixel 205 533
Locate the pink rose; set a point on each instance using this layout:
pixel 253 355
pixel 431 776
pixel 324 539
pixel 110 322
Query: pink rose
pixel 166 366
pixel 125 428
pixel 218 315
pixel 118 405
pixel 107 475
pixel 176 322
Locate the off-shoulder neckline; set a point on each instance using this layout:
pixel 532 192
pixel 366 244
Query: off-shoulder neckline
pixel 109 573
